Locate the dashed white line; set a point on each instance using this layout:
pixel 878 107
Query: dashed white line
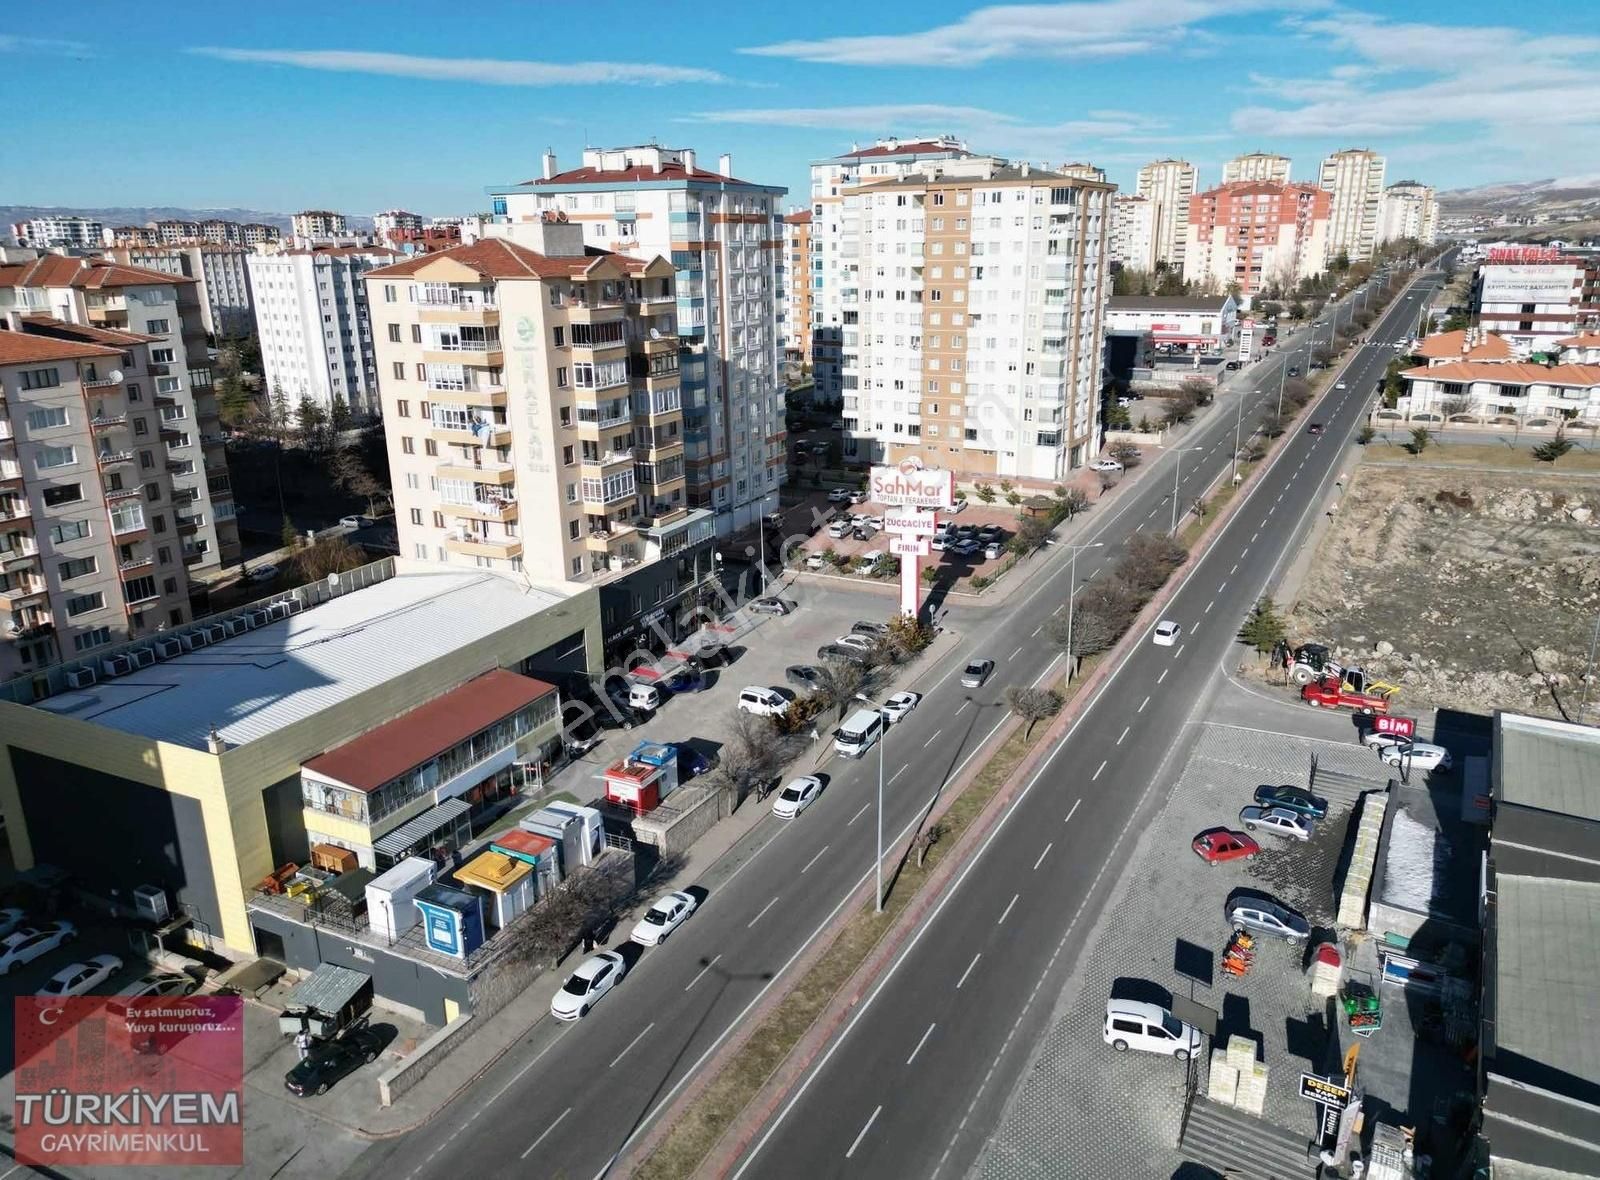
pixel 921 1043
pixel 1235 568
pixel 701 972
pixel 968 971
pixel 525 1154
pixel 815 858
pixel 638 1038
pixel 1255 534
pixel 1125 729
pixel 1209 605
pixel 1224 585
pixel 1074 810
pixel 931 740
pixel 863 1133
pixel 1007 910
pixel 898 773
pixel 1044 854
pixel 1038 629
pixel 1018 652
pixel 1179 652
pixel 963 704
pixel 857 815
pixel 1142 704
pixel 762 914
pixel 1244 552
pixel 1096 774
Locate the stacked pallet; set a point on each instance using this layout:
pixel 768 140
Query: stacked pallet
pixel 1363 861
pixel 1251 1092
pixel 1237 1079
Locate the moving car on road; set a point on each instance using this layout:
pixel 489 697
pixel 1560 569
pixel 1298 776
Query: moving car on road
pixel 1263 915
pixel 1166 633
pixel 1280 821
pixel 332 1060
pixel 1314 428
pixel 1149 1028
pixel 661 919
pixel 586 986
pixel 798 795
pixel 976 672
pixel 901 703
pixel 1220 845
pixel 1291 798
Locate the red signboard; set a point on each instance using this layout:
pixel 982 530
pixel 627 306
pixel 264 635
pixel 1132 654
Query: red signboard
pixel 1525 254
pixel 147 1082
pixel 1395 726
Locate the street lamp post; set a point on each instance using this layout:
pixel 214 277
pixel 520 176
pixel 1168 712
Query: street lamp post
pixel 1238 418
pixel 1072 594
pixel 1177 465
pixel 883 740
pixel 1588 671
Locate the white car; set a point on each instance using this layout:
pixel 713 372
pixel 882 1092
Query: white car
pixel 816 561
pixel 1280 821
pixel 595 976
pixel 763 702
pixel 10 921
pixel 871 557
pixel 1166 633
pixel 839 496
pixel 1105 465
pixel 26 945
pixel 262 573
pixel 1382 741
pixel 663 918
pixel 160 983
pixel 81 978
pixel 862 643
pixel 992 552
pixel 796 796
pixel 940 542
pixel 1416 756
pixel 1339 385
pixel 900 704
pixel 1131 1024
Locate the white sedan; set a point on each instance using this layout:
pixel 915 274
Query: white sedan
pixel 595 976
pixel 1339 385
pixel 1416 756
pixel 797 796
pixel 160 983
pixel 81 978
pixel 27 944
pixel 861 643
pixel 1166 633
pixel 900 704
pixel 1110 465
pixel 1280 821
pixel 663 918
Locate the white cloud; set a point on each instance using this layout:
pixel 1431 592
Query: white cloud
pixel 487 71
pixel 1090 29
pixel 974 123
pixel 13 44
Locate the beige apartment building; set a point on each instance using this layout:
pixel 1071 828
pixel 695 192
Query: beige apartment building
pixel 1256 166
pixel 1354 180
pixel 797 287
pixel 1254 235
pixel 1168 185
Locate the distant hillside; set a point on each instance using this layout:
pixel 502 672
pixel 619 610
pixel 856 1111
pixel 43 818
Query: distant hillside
pixel 139 214
pixel 1563 196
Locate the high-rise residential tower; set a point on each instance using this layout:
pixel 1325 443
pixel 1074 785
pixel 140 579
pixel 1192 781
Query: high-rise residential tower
pixel 1354 180
pixel 1168 185
pixel 799 287
pixel 1408 210
pixel 1254 234
pixel 1257 166
pixel 1133 229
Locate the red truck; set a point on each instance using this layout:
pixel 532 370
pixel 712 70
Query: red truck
pixel 1331 694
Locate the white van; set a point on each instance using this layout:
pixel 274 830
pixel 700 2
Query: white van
pixel 859 733
pixel 1150 1028
pixel 644 696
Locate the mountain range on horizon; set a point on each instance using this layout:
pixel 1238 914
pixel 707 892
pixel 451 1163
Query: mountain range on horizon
pixel 140 214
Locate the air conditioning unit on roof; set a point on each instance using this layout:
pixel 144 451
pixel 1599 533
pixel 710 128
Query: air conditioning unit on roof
pixel 118 665
pixel 142 657
pixel 80 678
pixel 235 625
pixel 169 646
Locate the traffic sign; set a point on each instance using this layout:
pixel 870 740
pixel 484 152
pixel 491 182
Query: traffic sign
pixel 904 546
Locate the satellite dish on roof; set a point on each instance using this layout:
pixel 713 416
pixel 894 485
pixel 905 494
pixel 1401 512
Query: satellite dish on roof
pixel 333 580
pixel 115 374
pixel 655 333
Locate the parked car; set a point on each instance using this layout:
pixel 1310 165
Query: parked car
pixel 958 507
pixel 875 630
pixel 1374 740
pixel 354 522
pixel 80 979
pixel 839 496
pixel 262 573
pixel 1280 821
pixel 11 920
pixel 662 918
pixel 685 680
pixel 861 643
pixel 160 984
pixel 940 542
pixel 798 795
pixel 858 497
pixel 1262 915
pixel 1110 465
pixel 1291 798
pixel 832 651
pixel 691 762
pixel 27 944
pixel 1149 1028
pixel 803 676
pixel 816 562
pixel 990 535
pixel 965 548
pixel 991 552
pixel 901 703
pixel 1166 633
pixel 840 529
pixel 763 702
pixel 1220 845
pixel 976 672
pixel 772 606
pixel 588 985
pixel 1294 370
pixel 332 1060
pixel 1417 756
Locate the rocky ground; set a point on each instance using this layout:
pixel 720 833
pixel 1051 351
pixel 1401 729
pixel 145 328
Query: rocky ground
pixel 1471 590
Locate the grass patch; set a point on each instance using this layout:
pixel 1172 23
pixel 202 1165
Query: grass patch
pixel 1387 445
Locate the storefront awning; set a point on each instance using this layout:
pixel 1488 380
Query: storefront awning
pixel 420 830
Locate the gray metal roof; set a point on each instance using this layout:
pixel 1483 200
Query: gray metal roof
pixel 1547 962
pixel 1550 765
pixel 422 827
pixel 1167 302
pixel 256 683
pixel 327 989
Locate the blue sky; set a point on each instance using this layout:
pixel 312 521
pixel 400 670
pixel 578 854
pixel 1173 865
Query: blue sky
pixel 365 106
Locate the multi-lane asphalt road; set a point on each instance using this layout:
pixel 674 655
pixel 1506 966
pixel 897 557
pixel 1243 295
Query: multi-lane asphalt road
pixel 916 1079
pixel 570 1099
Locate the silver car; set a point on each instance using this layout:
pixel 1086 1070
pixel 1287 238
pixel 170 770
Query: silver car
pixel 1261 915
pixel 1280 821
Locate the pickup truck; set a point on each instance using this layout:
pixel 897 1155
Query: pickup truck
pixel 1331 697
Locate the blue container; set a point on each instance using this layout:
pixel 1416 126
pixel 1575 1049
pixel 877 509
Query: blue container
pixel 452 920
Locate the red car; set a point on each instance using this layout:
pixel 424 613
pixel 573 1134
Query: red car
pixel 1220 844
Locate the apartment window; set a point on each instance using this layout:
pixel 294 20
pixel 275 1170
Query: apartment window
pixel 566 456
pixel 47 418
pixel 65 493
pixel 394 333
pixel 416 333
pixel 399 370
pixel 69 530
pixel 438 520
pixel 407 447
pixel 572 493
pixel 416 516
pixel 147 461
pixel 77 567
pixel 164 556
pixel 139 589
pixel 389 293
pixel 403 408
pixel 162 356
pixel 88 640
pixel 422 371
pixel 157 327
pixel 49 457
pixel 560 335
pixel 159 523
pixel 430 448
pixel 82 604
pixel 133 393
pixel 141 427
pixel 572 529
pixel 40 378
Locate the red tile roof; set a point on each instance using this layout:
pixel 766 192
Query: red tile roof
pixel 1509 373
pixel 497 258
pixel 530 844
pixel 46 325
pixel 1448 345
pixel 56 270
pixel 1581 340
pixel 21 348
pixel 639 172
pixel 411 739
pixel 900 149
pixel 801 218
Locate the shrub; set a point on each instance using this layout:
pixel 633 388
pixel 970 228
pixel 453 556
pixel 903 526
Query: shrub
pixel 1013 498
pixel 1365 435
pixel 1549 452
pixel 909 635
pixel 1148 560
pixel 1033 704
pixel 1126 453
pixel 980 582
pixel 985 493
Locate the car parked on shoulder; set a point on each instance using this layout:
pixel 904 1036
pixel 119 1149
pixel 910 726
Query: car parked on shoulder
pixel 901 703
pixel 797 795
pixel 763 702
pixel 662 918
pixel 332 1060
pixel 976 672
pixel 1292 798
pixel 29 943
pixel 1280 821
pixel 1262 915
pixel 79 979
pixel 1221 845
pixel 1150 1028
pixel 588 985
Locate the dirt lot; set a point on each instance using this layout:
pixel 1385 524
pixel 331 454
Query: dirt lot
pixel 1473 590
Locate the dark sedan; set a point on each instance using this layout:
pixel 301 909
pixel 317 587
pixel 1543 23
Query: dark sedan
pixel 803 676
pixel 1290 798
pixel 332 1060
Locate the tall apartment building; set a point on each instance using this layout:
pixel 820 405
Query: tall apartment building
pixel 226 307
pixel 254 233
pixel 91 538
pixel 391 221
pixel 51 233
pixel 169 233
pixel 1257 166
pixel 797 288
pixel 973 341
pixel 314 225
pixel 1168 185
pixel 1354 179
pixel 1408 209
pixel 312 320
pixel 1256 234
pixel 556 446
pixel 723 236
pixel 1133 232
pixel 836 236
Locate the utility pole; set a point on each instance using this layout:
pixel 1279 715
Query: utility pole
pixel 1072 594
pixel 1177 465
pixel 1588 670
pixel 1238 418
pixel 883 741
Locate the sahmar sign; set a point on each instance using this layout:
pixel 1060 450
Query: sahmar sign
pixel 908 484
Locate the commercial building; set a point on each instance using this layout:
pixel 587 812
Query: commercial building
pixel 1534 298
pixel 188 443
pixel 1408 210
pixel 317 225
pixel 1133 232
pixel 312 319
pixel 1256 166
pixel 559 450
pixel 1468 344
pixel 222 272
pixel 1182 323
pixel 197 755
pixel 1254 235
pixel 723 237
pixel 1509 391
pixel 836 238
pixel 1538 1045
pixel 973 342
pixel 1169 185
pixel 1353 178
pixel 798 287
pixel 50 233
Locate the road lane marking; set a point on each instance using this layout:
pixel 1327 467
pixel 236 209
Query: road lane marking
pixel 1224 585
pixel 815 858
pixel 1163 675
pixel 963 704
pixel 1038 629
pixel 857 815
pixel 1074 810
pixel 1244 552
pixel 921 1043
pixel 1255 534
pixel 864 1131
pixel 1125 729
pixel 1096 774
pixel 762 914
pixel 637 1039
pixel 525 1154
pixel 968 971
pixel 931 740
pixel 1179 652
pixel 701 972
pixel 1018 652
pixel 1143 703
pixel 1007 910
pixel 1043 854
pixel 897 774
pixel 1234 570
pixel 1209 605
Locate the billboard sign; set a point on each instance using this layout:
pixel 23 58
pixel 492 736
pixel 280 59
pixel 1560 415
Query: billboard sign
pixel 914 521
pixel 1395 726
pixel 910 485
pixel 1549 282
pixel 902 545
pixel 1247 339
pixel 1322 1090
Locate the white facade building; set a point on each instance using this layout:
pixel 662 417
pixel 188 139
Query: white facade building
pixel 49 233
pixel 222 272
pixel 1408 210
pixel 1510 391
pixel 1257 166
pixel 1354 179
pixel 1133 232
pixel 1531 304
pixel 1168 185
pixel 312 320
pixel 317 225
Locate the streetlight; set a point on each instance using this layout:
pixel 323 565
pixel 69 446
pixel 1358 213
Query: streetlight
pixel 1072 594
pixel 1177 464
pixel 1238 417
pixel 883 740
pixel 1588 671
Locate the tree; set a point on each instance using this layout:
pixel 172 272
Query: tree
pixel 331 555
pixel 1033 704
pixel 312 421
pixel 340 418
pixel 986 493
pixel 753 755
pixel 838 681
pixel 1118 418
pixel 908 635
pixel 1179 410
pixel 1091 634
pixel 1125 453
pixel 1031 533
pixel 1297 310
pixel 278 411
pixel 1321 355
pixel 1451 406
pixel 1263 628
pixel 926 839
pixel 288 535
pixel 1365 435
pixel 1420 438
pixel 1549 452
pixel 1108 480
pixel 1072 501
pixel 1113 599
pixel 1148 560
pixel 1340 263
pixel 351 474
pixel 1197 389
pixel 1271 424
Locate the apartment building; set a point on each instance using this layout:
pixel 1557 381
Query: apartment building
pixel 129 235
pixel 1354 180
pixel 798 287
pixel 187 442
pixel 1255 235
pixel 1168 185
pixel 1083 172
pixel 171 232
pixel 254 233
pixel 836 236
pixel 1133 232
pixel 723 236
pixel 50 233
pixel 391 221
pixel 1408 209
pixel 311 317
pixel 317 225
pixel 974 340
pixel 1537 300
pixel 222 272
pixel 558 448
pixel 1257 166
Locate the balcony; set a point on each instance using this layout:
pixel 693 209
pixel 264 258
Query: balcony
pixel 606 462
pixel 108 421
pixel 483 434
pixel 658 345
pixel 110 458
pixel 188 525
pixel 499 474
pixel 18 597
pixel 460 307
pixel 193 557
pixel 612 539
pixel 478 395
pixel 10 474
pixel 19 555
pixel 101 382
pixel 116 495
pixel 15 513
pixel 36 627
pixel 482 509
pixel 135 563
pixel 473 545
pixel 607 417
pixel 457 352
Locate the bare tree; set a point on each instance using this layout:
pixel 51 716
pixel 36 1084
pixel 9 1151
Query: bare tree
pixel 331 555
pixel 1125 453
pixel 840 680
pixel 1075 500
pixel 1091 634
pixel 754 754
pixel 1148 561
pixel 1033 704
